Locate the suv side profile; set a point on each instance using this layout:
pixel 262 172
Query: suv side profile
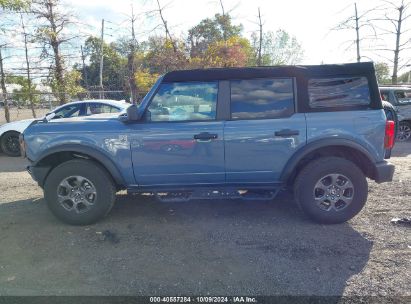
pixel 400 98
pixel 236 133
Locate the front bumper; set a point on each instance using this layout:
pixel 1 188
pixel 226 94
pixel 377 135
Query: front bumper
pixel 384 171
pixel 38 173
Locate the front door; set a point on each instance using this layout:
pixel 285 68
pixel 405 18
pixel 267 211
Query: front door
pixel 180 141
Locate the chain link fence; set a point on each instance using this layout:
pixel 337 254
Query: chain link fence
pixel 44 102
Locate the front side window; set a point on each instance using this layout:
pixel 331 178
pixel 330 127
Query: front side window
pixel 184 101
pixel 68 111
pixel 262 98
pixel 338 92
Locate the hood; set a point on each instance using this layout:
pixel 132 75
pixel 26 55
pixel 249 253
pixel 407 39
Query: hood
pixel 18 126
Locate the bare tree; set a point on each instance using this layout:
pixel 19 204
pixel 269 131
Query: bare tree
pixel 3 88
pixel 83 58
pixel 260 25
pixel 29 80
pixel 131 59
pixel 222 7
pixel 396 15
pixel 168 35
pixel 101 60
pixel 356 22
pixel 52 32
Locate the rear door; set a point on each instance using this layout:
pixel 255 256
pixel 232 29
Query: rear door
pixel 264 130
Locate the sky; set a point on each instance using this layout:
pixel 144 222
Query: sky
pixel 311 22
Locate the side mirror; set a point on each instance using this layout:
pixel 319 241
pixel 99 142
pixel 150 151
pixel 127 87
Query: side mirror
pixel 132 114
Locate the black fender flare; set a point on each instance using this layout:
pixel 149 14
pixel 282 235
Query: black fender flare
pixel 92 152
pixel 318 144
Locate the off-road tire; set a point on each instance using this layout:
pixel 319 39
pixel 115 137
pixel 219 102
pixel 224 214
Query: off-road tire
pixel 404 135
pixel 313 172
pixel 90 171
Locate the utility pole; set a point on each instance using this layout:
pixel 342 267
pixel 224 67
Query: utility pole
pixel 394 79
pixel 101 60
pixel 261 38
pixel 131 61
pixel 4 89
pixel 33 112
pixel 357 29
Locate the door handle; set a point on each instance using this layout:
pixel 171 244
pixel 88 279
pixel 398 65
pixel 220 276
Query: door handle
pixel 205 136
pixel 286 133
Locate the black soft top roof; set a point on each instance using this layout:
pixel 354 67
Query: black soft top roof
pixel 362 68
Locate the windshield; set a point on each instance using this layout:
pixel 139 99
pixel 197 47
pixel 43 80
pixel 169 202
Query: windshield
pixel 150 94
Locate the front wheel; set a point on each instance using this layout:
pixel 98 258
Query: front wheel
pixel 79 192
pixel 404 131
pixel 331 190
pixel 10 143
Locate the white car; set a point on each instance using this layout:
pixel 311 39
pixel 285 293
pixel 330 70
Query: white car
pixel 9 132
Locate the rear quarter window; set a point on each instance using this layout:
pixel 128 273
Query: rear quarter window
pixel 338 92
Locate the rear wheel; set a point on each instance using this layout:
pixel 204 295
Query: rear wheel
pixel 331 190
pixel 10 143
pixel 79 192
pixel 404 131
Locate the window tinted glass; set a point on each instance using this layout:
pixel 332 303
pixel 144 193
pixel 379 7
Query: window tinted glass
pixel 400 94
pixel 68 111
pixel 337 92
pixel 184 101
pixel 98 108
pixel 262 98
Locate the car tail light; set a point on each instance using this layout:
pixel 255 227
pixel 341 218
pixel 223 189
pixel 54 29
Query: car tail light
pixel 389 134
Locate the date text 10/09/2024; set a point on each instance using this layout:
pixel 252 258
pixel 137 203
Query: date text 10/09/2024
pixel 208 299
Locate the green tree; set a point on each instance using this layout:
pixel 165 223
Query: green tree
pixel 382 72
pixel 72 84
pixel 23 94
pixel 161 57
pixel 52 32
pixel 234 52
pixel 277 48
pixel 115 65
pixel 14 5
pixel 208 31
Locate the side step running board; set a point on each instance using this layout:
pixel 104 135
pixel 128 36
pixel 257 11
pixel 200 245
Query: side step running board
pixel 202 194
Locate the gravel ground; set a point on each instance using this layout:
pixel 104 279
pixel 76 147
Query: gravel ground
pixel 19 114
pixel 145 247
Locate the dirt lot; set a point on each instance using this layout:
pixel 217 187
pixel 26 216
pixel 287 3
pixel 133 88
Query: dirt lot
pixel 19 114
pixel 146 247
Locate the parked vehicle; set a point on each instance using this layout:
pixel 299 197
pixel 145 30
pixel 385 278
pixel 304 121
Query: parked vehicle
pixel 390 114
pixel 400 98
pixel 9 132
pixel 247 133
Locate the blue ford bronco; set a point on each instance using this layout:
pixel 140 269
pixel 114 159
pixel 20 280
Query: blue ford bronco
pixel 229 132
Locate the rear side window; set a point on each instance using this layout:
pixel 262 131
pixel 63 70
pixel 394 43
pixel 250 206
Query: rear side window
pixel 262 98
pixel 338 92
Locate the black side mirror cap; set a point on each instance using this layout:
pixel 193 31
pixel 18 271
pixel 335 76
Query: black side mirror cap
pixel 132 114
